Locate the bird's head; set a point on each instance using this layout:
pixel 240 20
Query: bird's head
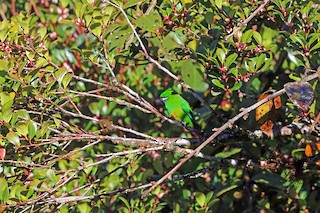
pixel 165 94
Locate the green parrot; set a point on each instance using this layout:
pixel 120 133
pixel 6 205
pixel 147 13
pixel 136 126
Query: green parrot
pixel 178 107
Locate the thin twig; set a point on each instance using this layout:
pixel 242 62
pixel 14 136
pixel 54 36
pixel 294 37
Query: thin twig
pixel 118 101
pixel 245 22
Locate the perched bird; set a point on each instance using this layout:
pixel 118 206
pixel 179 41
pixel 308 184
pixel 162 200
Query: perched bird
pixel 178 107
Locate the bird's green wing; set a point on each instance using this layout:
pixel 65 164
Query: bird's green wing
pixel 186 107
pixel 189 119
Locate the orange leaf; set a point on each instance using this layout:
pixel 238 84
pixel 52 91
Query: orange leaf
pixel 266 113
pixel 308 150
pixel 277 102
pixel 266 127
pixel 263 109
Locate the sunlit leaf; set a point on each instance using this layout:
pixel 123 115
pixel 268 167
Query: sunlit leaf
pixel 200 198
pixel 13 138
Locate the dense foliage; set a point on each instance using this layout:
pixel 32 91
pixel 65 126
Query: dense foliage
pixel 83 127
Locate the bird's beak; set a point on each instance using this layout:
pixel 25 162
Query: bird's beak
pixel 164 99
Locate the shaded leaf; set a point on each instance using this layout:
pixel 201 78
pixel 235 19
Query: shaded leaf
pixel 220 191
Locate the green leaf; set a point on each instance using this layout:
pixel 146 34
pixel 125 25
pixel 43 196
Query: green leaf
pixel 230 59
pixel 57 119
pixel 217 83
pixel 62 164
pixel 32 129
pixel 293 77
pixel 20 113
pixel 125 202
pixel 59 74
pixel 64 209
pixel 3 33
pixel 7 115
pixel 256 35
pixel 186 193
pixel 220 192
pixel 151 22
pixel 227 154
pixel 219 3
pixel 260 60
pixel 200 198
pixel 65 3
pixel 43 32
pixel 178 36
pixel 297 38
pixel 237 85
pixel 315 47
pixel 41 62
pixel 96 28
pixel 66 79
pixel 303 195
pixel 117 37
pixel 44 129
pixel 294 59
pixel 256 83
pixel 193 74
pixel 88 169
pixel 52 176
pixel 298 185
pixel 7 99
pixel 176 207
pixel 173 40
pixel 94 108
pixel 84 208
pixel 213 202
pixel 4 64
pixel 2 142
pixel 4 191
pixel 131 3
pixel 221 55
pixel 13 138
pixel 234 71
pixel 88 18
pixel 22 128
pixel 79 9
pixel 246 36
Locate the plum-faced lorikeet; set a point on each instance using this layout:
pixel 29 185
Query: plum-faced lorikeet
pixel 178 107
